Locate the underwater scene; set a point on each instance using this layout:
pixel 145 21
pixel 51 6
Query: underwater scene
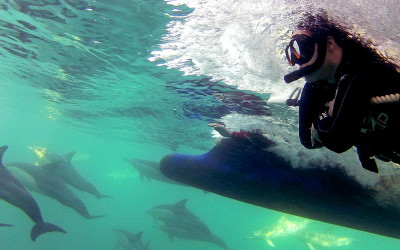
pixel 94 94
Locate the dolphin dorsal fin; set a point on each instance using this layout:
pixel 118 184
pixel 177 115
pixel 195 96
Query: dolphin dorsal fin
pixel 139 235
pixel 180 205
pixel 2 150
pixel 68 156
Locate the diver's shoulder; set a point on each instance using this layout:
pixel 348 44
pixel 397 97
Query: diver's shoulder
pixel 380 67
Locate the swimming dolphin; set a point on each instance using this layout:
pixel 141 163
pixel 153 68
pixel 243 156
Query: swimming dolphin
pixel 150 170
pixel 311 239
pixel 14 193
pixel 128 241
pixel 34 179
pixel 177 221
pixel 286 226
pixel 65 171
pixel 259 171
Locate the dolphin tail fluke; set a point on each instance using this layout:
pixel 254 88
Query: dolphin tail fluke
pixel 44 227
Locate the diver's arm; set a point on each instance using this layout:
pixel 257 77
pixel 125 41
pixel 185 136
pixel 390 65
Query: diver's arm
pixel 221 129
pixel 224 132
pixel 313 101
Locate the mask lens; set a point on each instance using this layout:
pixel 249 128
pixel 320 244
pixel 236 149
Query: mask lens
pixel 292 54
pixel 296 49
pixel 300 50
pixel 306 52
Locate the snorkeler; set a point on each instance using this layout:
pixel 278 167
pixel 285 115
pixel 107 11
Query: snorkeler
pixel 351 94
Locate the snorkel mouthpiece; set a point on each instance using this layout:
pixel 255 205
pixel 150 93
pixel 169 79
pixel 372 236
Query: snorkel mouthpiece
pixel 296 75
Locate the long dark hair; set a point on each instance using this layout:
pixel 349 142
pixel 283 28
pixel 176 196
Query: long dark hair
pixel 357 49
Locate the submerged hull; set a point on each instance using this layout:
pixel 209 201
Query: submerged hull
pixel 262 177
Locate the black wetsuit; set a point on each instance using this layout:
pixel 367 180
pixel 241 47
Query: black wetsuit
pixel 373 128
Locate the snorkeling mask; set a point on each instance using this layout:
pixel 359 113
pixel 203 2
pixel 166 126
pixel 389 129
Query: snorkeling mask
pixel 299 51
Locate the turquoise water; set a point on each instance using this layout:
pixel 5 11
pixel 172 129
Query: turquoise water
pixel 137 79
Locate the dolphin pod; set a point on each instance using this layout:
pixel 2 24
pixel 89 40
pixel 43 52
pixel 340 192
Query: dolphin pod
pixel 49 185
pixel 12 191
pixel 257 172
pixel 63 168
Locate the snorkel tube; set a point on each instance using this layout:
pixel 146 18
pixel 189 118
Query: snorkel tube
pixel 295 75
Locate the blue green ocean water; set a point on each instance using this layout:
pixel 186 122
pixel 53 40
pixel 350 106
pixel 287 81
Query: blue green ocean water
pixel 140 79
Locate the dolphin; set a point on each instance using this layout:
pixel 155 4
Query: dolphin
pixel 12 191
pixel 177 221
pixel 127 240
pixel 259 171
pixel 66 171
pixel 324 240
pixel 52 186
pixel 284 227
pixel 150 170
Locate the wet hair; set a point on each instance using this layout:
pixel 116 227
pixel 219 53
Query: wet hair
pixel 357 49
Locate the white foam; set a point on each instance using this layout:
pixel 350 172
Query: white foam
pixel 242 43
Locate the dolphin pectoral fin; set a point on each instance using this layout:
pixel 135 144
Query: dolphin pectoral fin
pixel 94 216
pixel 5 225
pixel 100 196
pixel 310 246
pixel 44 227
pixel 270 243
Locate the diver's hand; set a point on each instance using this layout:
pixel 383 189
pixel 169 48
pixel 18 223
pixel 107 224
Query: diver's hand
pixel 315 140
pixel 221 129
pixel 330 105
